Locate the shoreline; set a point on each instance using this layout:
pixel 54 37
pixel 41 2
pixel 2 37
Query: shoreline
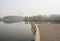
pixel 37 33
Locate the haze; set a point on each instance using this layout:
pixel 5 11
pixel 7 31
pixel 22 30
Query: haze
pixel 29 7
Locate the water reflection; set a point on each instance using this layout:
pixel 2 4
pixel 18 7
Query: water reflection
pixel 16 31
pixel 26 22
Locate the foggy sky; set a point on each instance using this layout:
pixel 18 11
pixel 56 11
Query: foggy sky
pixel 29 7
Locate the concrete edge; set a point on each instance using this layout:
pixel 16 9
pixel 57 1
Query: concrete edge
pixel 37 35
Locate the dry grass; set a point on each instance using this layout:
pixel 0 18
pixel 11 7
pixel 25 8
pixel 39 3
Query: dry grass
pixel 49 32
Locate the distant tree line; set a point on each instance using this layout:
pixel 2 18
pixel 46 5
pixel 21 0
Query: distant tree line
pixel 51 18
pixel 40 18
pixel 11 19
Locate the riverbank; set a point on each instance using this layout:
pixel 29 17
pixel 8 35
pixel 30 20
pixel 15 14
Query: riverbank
pixel 37 35
pixel 49 32
pixel 35 31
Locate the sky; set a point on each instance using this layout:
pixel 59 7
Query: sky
pixel 29 7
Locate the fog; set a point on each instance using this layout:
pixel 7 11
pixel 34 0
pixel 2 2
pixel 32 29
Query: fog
pixel 29 7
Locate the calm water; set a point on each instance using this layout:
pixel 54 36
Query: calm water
pixel 15 31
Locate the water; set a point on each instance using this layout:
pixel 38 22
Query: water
pixel 15 31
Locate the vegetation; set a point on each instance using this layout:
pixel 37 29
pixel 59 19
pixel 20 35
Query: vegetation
pixel 11 19
pixel 40 18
